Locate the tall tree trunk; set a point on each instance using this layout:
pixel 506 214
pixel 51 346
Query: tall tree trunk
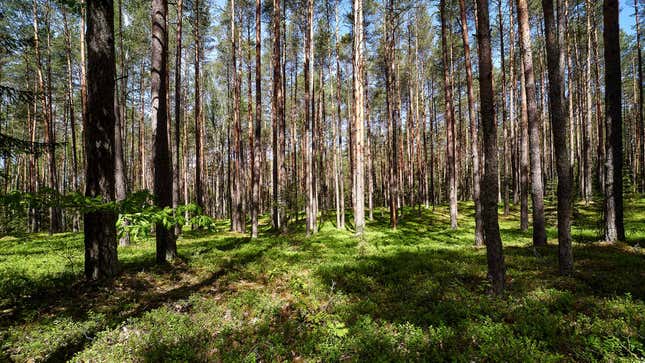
pixel 257 130
pixel 474 143
pixel 450 122
pixel 166 244
pixel 100 226
pixel 72 115
pixel 515 144
pixel 587 130
pixel 560 125
pixel 494 254
pixel 199 131
pixel 309 131
pixel 142 133
pixel 119 110
pixel 614 225
pixel 600 128
pixel 641 122
pixel 83 81
pixel 178 121
pixel 237 210
pixel 359 120
pixel 506 153
pixel 276 111
pixel 392 112
pixel 537 189
pixel 340 176
pixel 50 141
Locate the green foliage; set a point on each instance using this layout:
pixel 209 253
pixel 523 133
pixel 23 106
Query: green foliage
pixel 137 213
pixel 414 294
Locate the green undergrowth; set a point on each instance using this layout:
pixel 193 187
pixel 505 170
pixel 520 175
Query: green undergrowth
pixel 415 294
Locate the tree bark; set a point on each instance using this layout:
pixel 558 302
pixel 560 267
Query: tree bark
pixel 392 112
pixel 560 125
pixel 494 253
pixel 506 154
pixel 50 141
pixel 199 137
pixel 276 111
pixel 119 110
pixel 641 122
pixel 449 118
pixel 99 227
pixel 359 120
pixel 537 189
pixel 257 130
pixel 72 115
pixel 340 176
pixel 614 225
pixel 178 119
pixel 238 223
pixel 309 130
pixel 165 239
pixel 474 142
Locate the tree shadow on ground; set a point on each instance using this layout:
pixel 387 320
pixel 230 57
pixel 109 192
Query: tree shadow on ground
pixel 430 287
pixel 128 295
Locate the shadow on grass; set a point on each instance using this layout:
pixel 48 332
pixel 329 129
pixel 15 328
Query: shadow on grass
pixel 433 287
pixel 128 295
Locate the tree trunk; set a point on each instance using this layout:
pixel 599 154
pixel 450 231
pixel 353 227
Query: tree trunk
pixel 359 120
pixel 494 253
pixel 614 227
pixel 309 131
pixel 537 189
pixel 99 227
pixel 199 137
pixel 238 223
pixel 474 143
pixel 119 107
pixel 50 141
pixel 276 111
pixel 178 121
pixel 641 122
pixel 162 161
pixel 505 123
pixel 257 130
pixel 72 118
pixel 340 176
pixel 392 112
pixel 560 125
pixel 449 118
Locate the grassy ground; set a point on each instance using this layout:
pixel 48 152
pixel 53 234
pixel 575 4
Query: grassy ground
pixel 415 294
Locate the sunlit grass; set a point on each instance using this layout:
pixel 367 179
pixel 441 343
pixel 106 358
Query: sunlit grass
pixel 415 294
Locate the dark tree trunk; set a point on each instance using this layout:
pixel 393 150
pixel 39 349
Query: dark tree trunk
pixel 494 253
pixel 560 127
pixel 614 227
pixel 166 244
pixel 199 137
pixel 276 114
pixel 99 227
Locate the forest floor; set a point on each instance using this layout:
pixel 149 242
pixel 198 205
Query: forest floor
pixel 415 294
